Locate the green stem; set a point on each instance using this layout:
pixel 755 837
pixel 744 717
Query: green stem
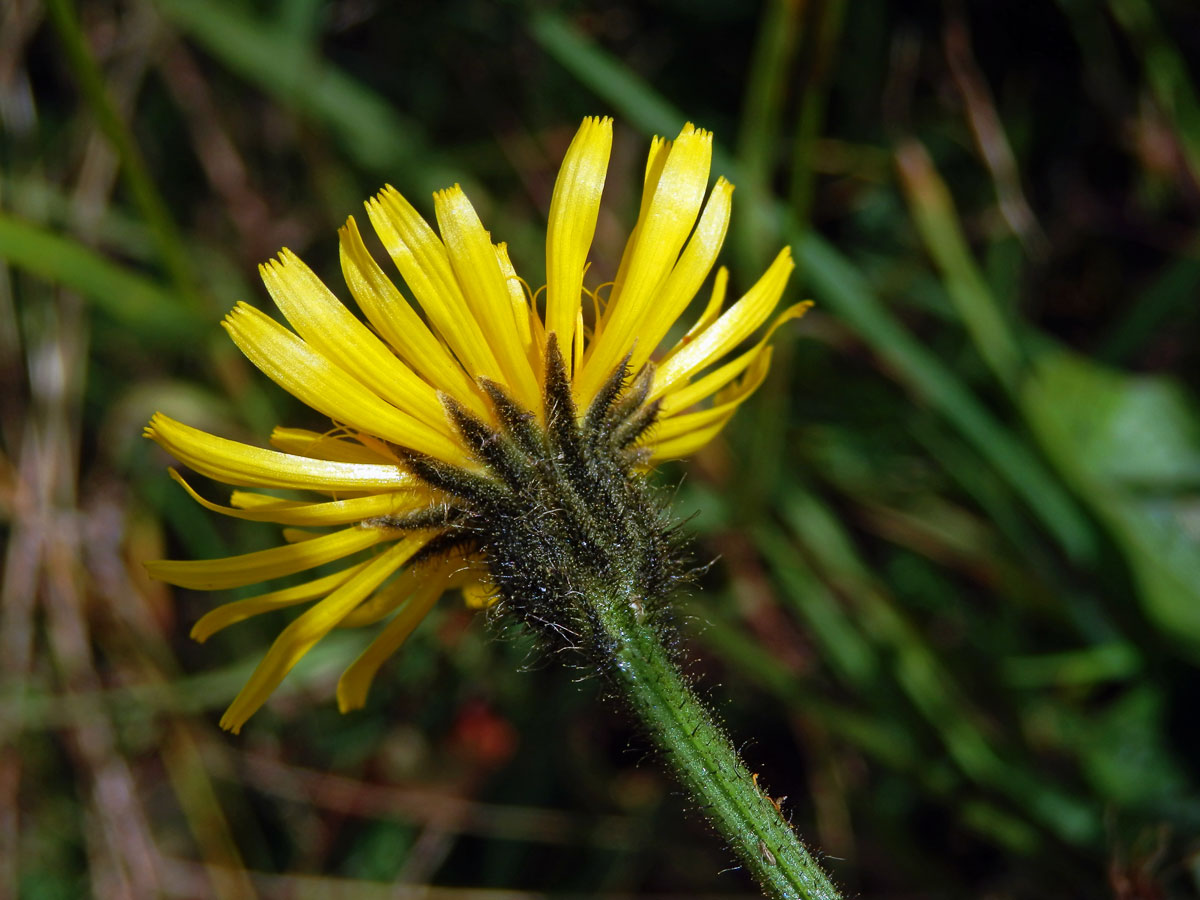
pixel 704 759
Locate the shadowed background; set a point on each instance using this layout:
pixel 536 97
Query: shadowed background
pixel 956 607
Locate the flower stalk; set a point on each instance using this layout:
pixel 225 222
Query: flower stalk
pixel 704 760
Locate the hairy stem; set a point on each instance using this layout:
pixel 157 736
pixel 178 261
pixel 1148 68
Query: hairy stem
pixel 704 759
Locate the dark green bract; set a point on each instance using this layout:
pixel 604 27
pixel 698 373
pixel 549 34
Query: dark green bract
pixel 561 512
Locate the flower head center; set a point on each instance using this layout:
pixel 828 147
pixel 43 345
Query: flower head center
pixel 559 510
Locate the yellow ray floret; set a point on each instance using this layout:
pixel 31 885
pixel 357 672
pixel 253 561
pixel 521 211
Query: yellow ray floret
pixel 680 398
pixel 689 273
pixel 333 331
pixel 262 565
pixel 317 381
pixel 574 209
pixel 387 379
pixel 337 444
pixel 473 258
pixel 299 637
pixel 728 400
pixel 400 325
pixel 352 686
pixel 333 512
pixel 241 464
pixel 676 194
pixel 424 263
pixel 240 610
pixel 730 329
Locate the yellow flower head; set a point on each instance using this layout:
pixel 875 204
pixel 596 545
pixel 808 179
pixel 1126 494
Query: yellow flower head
pixel 480 443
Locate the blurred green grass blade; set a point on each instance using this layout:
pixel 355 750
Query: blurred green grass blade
pixel 762 104
pixel 36 198
pixel 1166 71
pixel 1103 62
pixel 1173 293
pixel 914 665
pixel 142 305
pixel 758 136
pixel 813 100
pixel 878 735
pixel 270 55
pixel 962 463
pixel 938 226
pixel 837 284
pixel 1001 826
pixel 145 193
pixel 1167 566
pixel 202 809
pixel 843 646
pixel 1114 661
pixel 46 709
pixel 929 686
pixel 755 231
pixel 302 19
pixel 637 102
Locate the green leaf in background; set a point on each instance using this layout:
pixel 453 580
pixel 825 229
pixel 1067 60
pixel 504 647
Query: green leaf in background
pixel 1131 446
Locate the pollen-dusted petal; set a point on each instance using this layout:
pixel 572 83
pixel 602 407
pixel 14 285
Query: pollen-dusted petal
pixel 314 379
pixel 334 445
pixel 422 259
pixel 327 326
pixel 240 464
pixel 574 208
pixel 656 243
pixel 473 257
pixel 671 427
pixel 300 636
pixel 399 324
pixel 263 565
pixel 689 273
pixel 683 396
pixel 737 323
pixel 335 512
pixel 239 610
pixel 356 680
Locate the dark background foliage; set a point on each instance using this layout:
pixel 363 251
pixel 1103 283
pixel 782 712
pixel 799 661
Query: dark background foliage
pixel 956 608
